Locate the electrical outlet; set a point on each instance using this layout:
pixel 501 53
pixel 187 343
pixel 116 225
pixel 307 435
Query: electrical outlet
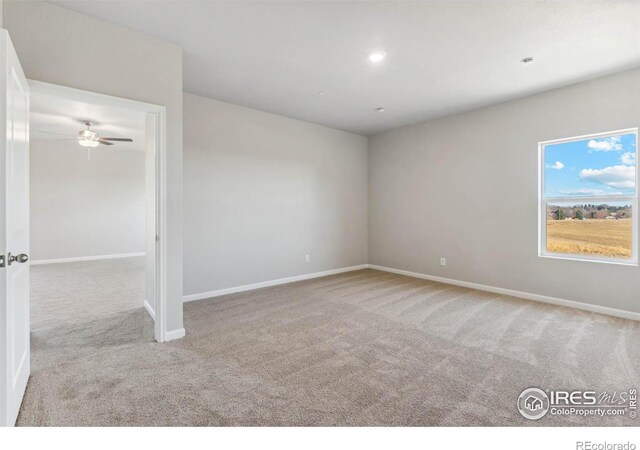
pixel 307 258
pixel 443 261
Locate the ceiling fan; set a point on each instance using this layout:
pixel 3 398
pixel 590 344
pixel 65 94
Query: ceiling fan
pixel 89 138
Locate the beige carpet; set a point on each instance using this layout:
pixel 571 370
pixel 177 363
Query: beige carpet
pixel 361 348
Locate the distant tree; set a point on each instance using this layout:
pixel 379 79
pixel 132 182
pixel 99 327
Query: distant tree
pixel 559 214
pixel 579 215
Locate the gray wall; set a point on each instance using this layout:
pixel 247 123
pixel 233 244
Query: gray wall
pixel 261 191
pixel 52 44
pixel 466 187
pixel 82 207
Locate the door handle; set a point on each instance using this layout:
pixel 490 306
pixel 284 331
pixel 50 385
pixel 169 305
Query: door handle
pixel 21 258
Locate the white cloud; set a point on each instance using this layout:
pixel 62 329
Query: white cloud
pixel 628 158
pixel 587 192
pixel 619 177
pixel 556 165
pixel 610 144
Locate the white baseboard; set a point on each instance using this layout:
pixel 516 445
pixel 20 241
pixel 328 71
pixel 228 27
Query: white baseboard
pixel 174 334
pixel 481 287
pixel 263 284
pixel 150 310
pixel 526 295
pixel 85 258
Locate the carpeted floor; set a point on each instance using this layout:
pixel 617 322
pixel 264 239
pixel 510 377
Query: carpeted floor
pixel 361 348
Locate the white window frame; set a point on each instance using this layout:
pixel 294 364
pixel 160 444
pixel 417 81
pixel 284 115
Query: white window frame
pixel 542 202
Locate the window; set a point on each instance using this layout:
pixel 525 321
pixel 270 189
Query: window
pixel 589 198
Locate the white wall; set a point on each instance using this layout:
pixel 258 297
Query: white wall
pixel 53 44
pixel 466 187
pixel 82 207
pixel 250 174
pixel 150 214
pixel 261 191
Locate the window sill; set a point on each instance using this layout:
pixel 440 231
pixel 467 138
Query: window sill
pixel 630 263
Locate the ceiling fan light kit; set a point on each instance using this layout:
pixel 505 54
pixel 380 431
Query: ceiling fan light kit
pixel 90 139
pixel 88 143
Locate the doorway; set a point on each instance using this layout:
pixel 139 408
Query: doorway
pixel 128 264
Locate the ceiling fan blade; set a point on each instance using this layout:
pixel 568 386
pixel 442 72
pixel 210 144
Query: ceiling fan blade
pixel 57 134
pixel 118 139
pixel 103 142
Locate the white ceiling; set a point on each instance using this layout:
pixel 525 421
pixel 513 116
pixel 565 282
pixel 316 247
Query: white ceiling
pixel 442 56
pixel 64 117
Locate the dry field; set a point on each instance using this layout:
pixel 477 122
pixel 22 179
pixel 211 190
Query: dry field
pixel 610 238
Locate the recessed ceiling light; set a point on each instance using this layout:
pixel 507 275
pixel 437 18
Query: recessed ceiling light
pixel 376 56
pixel 527 60
pixel 321 92
pixel 380 109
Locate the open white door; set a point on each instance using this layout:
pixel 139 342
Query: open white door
pixel 14 232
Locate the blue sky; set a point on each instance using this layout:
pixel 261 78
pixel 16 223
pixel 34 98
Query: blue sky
pixel 591 168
